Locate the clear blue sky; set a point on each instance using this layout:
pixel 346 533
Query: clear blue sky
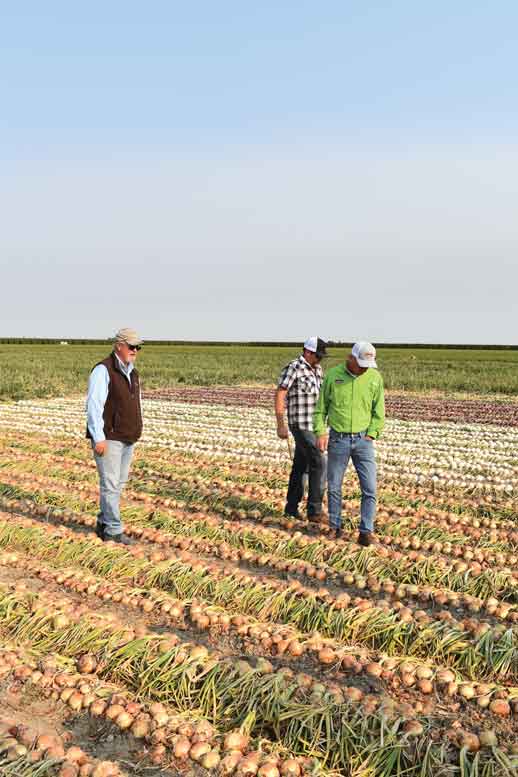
pixel 260 171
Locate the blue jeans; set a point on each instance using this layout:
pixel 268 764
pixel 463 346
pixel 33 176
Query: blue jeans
pixel 307 459
pixel 341 448
pixel 113 469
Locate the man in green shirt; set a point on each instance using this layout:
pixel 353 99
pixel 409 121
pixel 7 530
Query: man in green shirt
pixel 351 402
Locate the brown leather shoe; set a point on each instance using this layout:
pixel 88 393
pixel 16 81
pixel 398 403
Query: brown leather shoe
pixel 365 538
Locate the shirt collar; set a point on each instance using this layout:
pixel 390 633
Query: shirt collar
pixel 316 372
pixel 126 368
pixel 307 364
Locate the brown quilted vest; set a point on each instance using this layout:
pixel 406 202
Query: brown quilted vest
pixel 122 412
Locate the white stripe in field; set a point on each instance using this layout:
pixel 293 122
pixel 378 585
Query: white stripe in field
pixel 465 455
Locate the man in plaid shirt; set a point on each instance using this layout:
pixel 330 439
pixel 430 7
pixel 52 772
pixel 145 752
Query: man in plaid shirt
pixel 298 388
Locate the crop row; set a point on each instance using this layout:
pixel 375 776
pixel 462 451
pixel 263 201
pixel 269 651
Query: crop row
pixel 295 555
pixel 268 638
pixel 227 496
pixel 260 481
pixel 415 528
pixel 166 732
pixel 413 567
pixel 223 689
pixel 401 406
pixel 158 667
pixel 472 457
pixel 488 651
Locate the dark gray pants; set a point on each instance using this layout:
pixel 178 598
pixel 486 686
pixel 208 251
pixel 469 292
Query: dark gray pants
pixel 307 458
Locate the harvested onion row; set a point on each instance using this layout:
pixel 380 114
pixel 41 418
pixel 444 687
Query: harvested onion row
pixel 495 648
pixel 152 663
pixel 472 511
pixel 414 528
pixel 413 567
pixel 20 743
pixel 287 642
pixel 166 732
pixel 344 558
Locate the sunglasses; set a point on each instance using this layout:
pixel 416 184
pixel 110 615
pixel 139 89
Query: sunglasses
pixel 134 347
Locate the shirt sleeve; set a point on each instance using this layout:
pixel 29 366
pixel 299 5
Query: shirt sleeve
pixel 98 386
pixel 378 412
pixel 321 409
pixel 288 376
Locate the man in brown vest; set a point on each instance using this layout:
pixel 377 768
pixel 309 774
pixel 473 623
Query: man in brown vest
pixel 114 424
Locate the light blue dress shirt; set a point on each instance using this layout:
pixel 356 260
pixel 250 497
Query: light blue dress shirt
pixel 98 386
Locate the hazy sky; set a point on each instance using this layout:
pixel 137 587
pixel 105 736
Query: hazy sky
pixel 237 170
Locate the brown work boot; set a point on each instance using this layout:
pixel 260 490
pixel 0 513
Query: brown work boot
pixel 122 539
pixel 365 538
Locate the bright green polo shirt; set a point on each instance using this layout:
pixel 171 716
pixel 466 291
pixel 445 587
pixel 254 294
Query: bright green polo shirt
pixel 350 404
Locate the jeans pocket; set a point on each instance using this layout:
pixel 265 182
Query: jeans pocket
pixel 333 437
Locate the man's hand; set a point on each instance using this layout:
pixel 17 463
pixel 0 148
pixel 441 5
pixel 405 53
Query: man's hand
pixel 282 429
pixel 367 437
pixel 322 440
pixel 100 448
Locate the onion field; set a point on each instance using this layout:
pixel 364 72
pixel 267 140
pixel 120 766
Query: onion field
pixel 230 640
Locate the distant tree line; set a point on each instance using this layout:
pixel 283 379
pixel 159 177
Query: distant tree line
pixel 269 344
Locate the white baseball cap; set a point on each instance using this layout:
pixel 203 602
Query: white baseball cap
pixel 365 354
pixel 316 345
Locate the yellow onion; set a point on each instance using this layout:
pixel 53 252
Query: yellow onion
pixel 87 664
pixel 181 747
pixel 290 768
pixel 105 769
pixel 467 690
pixel 98 707
pixel 65 694
pixel 500 707
pixel 211 760
pixel 75 700
pixel 488 739
pixel 76 755
pixel 268 770
pixel 230 761
pixel 140 728
pixel 113 711
pixel 124 720
pixel 234 740
pixel 445 676
pixel 413 728
pixel 326 655
pixel 198 750
pixel 69 770
pixel 470 741
pixel 159 713
pixel 249 764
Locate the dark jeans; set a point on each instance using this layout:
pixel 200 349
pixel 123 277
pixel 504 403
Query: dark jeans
pixel 308 459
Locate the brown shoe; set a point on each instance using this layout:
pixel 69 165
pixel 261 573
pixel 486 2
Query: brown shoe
pixel 365 538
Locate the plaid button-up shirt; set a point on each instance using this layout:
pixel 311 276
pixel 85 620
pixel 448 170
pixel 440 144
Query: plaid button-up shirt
pixel 303 385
